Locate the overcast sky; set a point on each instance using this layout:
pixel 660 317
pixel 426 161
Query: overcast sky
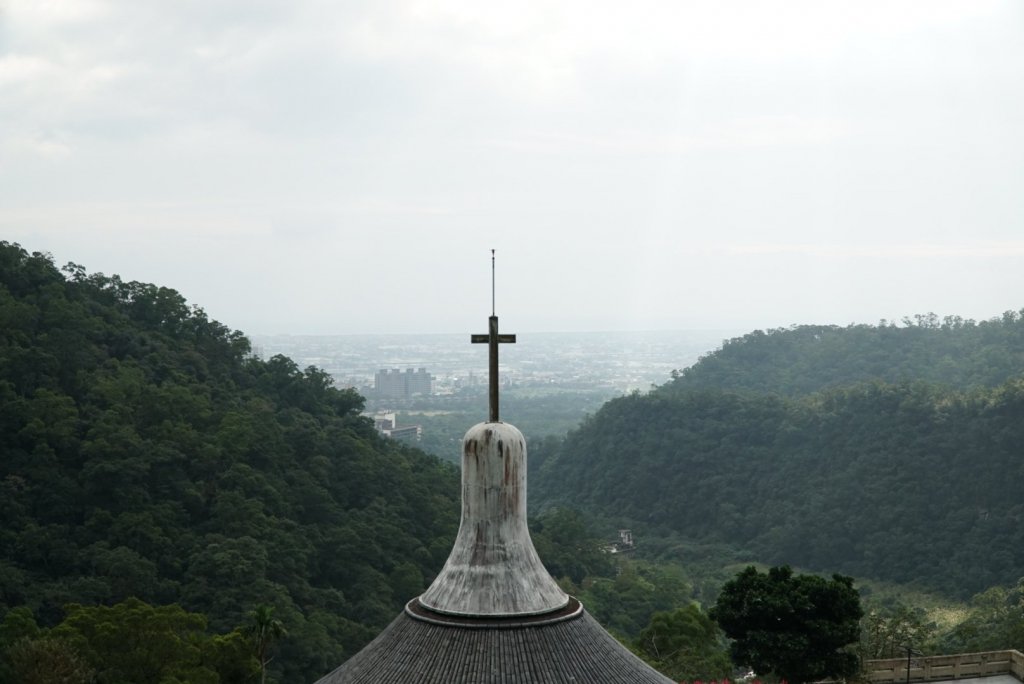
pixel 316 166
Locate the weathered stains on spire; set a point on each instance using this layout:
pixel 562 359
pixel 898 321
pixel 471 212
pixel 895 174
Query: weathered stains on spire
pixel 493 569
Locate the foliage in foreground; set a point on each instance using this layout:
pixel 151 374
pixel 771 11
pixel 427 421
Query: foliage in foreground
pixel 684 644
pixel 797 627
pixel 127 643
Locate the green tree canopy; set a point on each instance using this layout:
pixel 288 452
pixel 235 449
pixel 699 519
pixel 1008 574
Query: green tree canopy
pixel 47 660
pixel 887 631
pixel 802 359
pixel 995 621
pixel 798 627
pixel 135 643
pixel 146 452
pixel 684 644
pixel 264 630
pixel 567 547
pixel 904 483
pixel 131 642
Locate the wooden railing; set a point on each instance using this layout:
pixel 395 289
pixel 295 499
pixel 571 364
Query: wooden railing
pixel 931 668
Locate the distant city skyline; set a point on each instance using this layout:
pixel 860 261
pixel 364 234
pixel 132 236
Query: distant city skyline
pixel 342 169
pixel 612 362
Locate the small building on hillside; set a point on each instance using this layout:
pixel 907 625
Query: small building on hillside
pixel 624 544
pixel 386 424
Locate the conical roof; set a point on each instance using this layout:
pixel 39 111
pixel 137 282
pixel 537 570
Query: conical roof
pixel 494 614
pixel 572 650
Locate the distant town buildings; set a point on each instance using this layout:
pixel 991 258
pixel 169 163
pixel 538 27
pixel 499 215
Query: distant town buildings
pixel 606 363
pixel 396 384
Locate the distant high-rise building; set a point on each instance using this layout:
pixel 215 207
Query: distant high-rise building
pixel 396 384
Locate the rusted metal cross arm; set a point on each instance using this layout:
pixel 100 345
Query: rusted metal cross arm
pixel 492 339
pixel 485 339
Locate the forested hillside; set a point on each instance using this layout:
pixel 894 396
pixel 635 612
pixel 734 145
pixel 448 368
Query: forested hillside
pixel 144 452
pixel 916 479
pixel 950 351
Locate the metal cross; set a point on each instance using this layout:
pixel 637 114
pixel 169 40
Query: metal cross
pixel 493 339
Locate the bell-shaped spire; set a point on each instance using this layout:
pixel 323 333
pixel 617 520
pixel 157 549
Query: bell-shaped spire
pixel 493 569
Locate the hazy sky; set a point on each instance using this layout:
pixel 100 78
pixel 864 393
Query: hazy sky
pixel 316 166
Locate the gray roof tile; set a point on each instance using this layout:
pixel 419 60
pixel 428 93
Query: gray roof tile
pixel 576 650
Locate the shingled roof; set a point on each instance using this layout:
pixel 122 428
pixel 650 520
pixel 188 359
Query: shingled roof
pixel 572 649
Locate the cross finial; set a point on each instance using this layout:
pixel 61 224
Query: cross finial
pixel 492 339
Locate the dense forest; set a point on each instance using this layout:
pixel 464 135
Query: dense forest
pixel 144 452
pixel 878 451
pixel 949 351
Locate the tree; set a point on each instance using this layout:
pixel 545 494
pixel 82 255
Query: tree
pixel 47 661
pixel 136 642
pixel 231 657
pixel 684 644
pixel 798 627
pixel 995 621
pixel 567 547
pixel 626 603
pixel 264 629
pixel 887 631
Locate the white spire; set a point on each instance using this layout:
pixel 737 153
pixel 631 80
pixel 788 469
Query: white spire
pixel 493 570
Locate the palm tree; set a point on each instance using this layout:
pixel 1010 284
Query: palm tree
pixel 264 629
